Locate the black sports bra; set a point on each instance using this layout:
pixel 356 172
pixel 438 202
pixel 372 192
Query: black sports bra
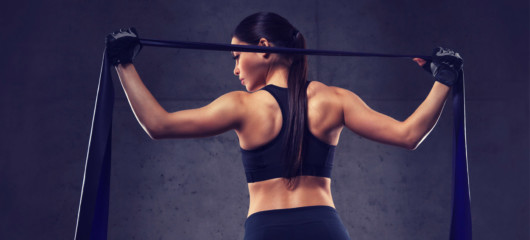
pixel 267 161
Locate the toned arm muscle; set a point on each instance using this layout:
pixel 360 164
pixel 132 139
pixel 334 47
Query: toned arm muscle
pixel 368 123
pixel 409 134
pixel 223 114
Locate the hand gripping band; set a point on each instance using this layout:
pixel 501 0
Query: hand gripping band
pixel 93 210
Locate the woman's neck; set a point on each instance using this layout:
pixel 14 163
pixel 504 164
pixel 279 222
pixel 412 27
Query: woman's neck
pixel 278 76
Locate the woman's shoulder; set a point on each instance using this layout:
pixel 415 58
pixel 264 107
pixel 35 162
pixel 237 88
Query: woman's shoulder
pixel 317 88
pixel 328 90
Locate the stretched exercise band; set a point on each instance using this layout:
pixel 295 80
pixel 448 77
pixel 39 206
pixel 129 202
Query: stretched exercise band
pixel 92 219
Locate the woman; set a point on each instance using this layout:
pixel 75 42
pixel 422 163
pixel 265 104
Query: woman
pixel 287 127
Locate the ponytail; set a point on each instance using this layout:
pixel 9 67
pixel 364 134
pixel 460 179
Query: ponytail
pixel 297 118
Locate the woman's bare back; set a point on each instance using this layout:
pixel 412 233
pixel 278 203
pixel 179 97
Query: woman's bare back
pixel 263 123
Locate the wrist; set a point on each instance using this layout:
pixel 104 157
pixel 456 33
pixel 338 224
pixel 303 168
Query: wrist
pixel 446 76
pixel 124 67
pixel 442 86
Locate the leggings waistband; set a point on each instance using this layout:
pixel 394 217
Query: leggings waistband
pixel 289 215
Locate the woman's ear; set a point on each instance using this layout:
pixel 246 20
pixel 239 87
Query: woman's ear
pixel 265 43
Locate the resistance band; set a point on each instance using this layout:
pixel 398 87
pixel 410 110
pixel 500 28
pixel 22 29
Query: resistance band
pixel 93 210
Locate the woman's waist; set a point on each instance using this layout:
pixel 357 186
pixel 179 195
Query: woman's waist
pixel 271 200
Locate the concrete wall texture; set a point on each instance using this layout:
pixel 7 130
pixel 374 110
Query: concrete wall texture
pixel 195 188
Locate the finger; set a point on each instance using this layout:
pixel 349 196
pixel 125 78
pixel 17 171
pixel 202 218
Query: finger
pixel 419 61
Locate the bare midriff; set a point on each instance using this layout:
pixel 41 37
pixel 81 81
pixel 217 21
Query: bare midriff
pixel 274 194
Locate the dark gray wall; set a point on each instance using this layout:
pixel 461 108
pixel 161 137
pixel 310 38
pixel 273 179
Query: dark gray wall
pixel 195 188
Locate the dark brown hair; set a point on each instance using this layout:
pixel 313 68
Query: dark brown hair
pixel 281 33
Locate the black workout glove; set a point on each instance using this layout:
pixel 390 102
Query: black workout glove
pixel 123 46
pixel 444 66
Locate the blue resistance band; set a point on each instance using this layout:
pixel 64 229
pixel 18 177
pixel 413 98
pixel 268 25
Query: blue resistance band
pixel 92 219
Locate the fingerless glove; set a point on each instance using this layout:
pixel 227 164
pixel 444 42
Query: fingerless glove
pixel 123 46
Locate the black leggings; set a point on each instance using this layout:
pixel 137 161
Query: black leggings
pixel 312 222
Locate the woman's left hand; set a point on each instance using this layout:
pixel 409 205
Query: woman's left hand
pixel 425 64
pixel 444 65
pixel 123 46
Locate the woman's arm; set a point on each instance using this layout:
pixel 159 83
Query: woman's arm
pixel 363 120
pixel 145 107
pixel 221 115
pixel 423 120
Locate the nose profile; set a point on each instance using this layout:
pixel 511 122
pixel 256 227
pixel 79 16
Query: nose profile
pixel 236 71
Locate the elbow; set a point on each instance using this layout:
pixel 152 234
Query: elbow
pixel 153 135
pixel 410 142
pixel 413 143
pixel 156 132
pixel 412 146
